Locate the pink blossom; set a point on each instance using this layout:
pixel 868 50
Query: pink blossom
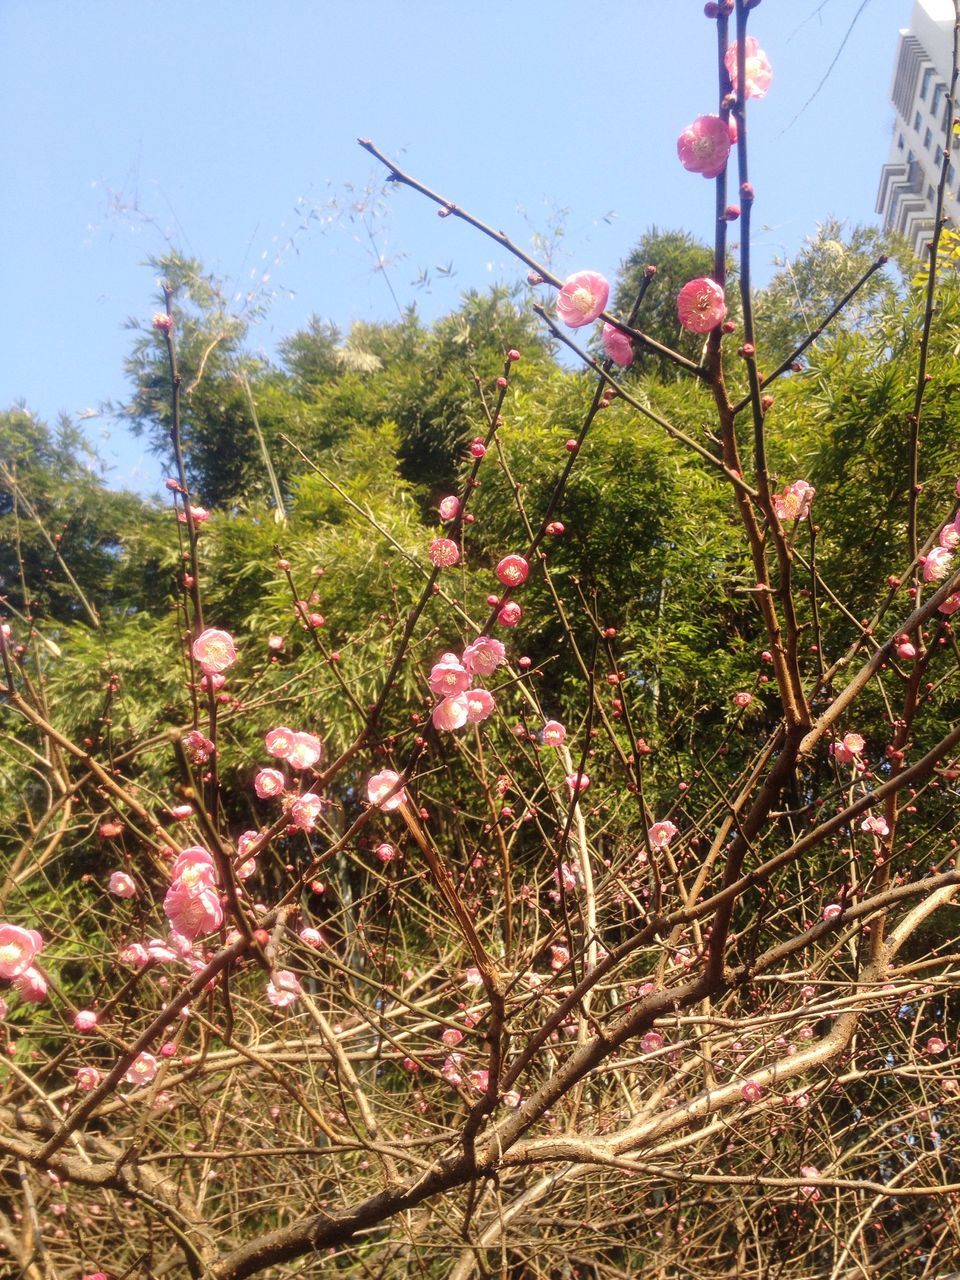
pixel 122 886
pixel 310 936
pixel 305 811
pixel 700 305
pixel 379 788
pixel 385 852
pixel 246 869
pixel 451 1037
pixel 479 1080
pixel 651 1042
pixel 17 949
pixel 660 834
pixel 450 1069
pixel 199 515
pixel 750 1091
pixel 283 989
pixel 87 1078
pixel 566 876
pixel 162 322
pixel 553 734
pixel 510 614
pixel 582 297
pixel 831 911
pixel 31 986
pixel 951 604
pixel 192 908
pixel 484 655
pixel 809 1171
pixel 212 682
pixel 109 830
pixel 245 842
pixel 449 508
pixel 794 502
pixel 180 812
pixel 875 825
pixel 617 345
pixel 214 650
pixel 512 570
pixel 275 642
pixel 949 537
pixel 194 866
pixel 936 565
pixel 848 751
pixel 559 958
pixel 160 952
pixel 935 1045
pixel 757 70
pixel 451 713
pixel 84 1019
pixel 577 782
pixel 742 699
pixel 269 783
pixel 906 650
pixel 136 954
pixel 142 1069
pixel 279 742
pixel 448 676
pixel 480 705
pixel 443 552
pixel 198 748
pixel 511 1099
pixel 305 751
pixel 704 146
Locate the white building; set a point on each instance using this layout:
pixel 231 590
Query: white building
pixel 908 184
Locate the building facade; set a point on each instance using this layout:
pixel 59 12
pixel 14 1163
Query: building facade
pixel 907 196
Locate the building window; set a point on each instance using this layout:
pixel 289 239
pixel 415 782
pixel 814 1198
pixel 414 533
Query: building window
pixel 925 84
pixel 916 122
pixel 951 173
pixel 900 142
pixel 931 195
pixel 927 139
pixel 937 157
pixel 937 99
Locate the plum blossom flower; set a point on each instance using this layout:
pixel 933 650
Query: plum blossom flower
pixel 757 70
pixel 936 566
pixel 31 986
pixel 448 676
pixel 192 909
pixel 142 1069
pixel 17 949
pixel 617 345
pixel 742 699
pixel 660 834
pixel 269 783
pixel 809 1171
pixel 385 851
pixel 379 787
pixel 511 1099
pixel 701 305
pixel 651 1042
pixel 577 782
pixel 310 936
pixel 451 713
pixel 794 502
pixel 553 734
pixel 480 705
pixel 214 650
pixel 305 811
pixel 479 1080
pixel 831 911
pixel 198 748
pixel 84 1019
pixel 566 876
pixel 283 989
pixel 443 552
pixel 510 614
pixel 279 741
pixel 848 750
pixel 875 825
pixel 87 1078
pixel 451 1037
pixel 582 297
pixel 484 655
pixel 450 1069
pixel 703 147
pixel 305 751
pixel 449 507
pixel 951 604
pixel 949 537
pixel 559 957
pixel 935 1045
pixel 512 570
pixel 750 1091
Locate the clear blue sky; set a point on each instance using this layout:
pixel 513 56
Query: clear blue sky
pixel 228 127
